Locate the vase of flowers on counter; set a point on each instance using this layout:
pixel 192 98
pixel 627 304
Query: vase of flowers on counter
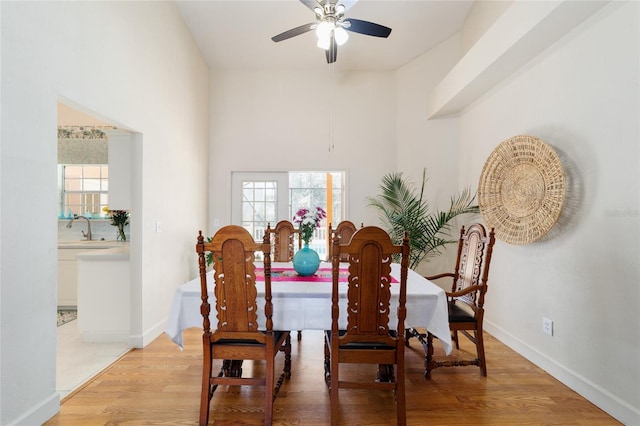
pixel 306 261
pixel 119 219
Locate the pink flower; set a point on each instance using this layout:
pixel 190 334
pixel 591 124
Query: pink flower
pixel 308 221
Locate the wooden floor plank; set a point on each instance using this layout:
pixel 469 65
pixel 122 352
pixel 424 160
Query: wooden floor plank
pixel 160 385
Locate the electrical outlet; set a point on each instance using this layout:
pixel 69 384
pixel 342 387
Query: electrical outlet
pixel 547 326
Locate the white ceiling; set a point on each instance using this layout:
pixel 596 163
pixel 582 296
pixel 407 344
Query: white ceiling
pixel 236 34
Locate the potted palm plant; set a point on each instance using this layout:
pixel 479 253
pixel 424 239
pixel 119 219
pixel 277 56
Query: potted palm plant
pixel 402 208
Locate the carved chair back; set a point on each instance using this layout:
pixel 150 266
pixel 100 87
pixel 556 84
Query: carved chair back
pixel 283 238
pixel 344 231
pixel 234 278
pixel 472 266
pixel 370 253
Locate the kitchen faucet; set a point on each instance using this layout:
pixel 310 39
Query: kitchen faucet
pixel 88 234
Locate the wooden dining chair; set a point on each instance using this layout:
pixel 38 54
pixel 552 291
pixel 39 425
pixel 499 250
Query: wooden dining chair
pixel 344 231
pixel 466 298
pixel 367 338
pixel 238 335
pixel 283 238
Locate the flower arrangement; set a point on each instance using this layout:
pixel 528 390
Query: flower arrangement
pixel 119 218
pixel 308 220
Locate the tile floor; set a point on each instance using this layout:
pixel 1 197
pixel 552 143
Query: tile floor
pixel 78 361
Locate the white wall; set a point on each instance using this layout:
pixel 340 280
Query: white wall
pixel 135 65
pixel 582 97
pixel 430 145
pixel 302 120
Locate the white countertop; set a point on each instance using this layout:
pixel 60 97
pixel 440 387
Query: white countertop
pixel 91 245
pixel 107 254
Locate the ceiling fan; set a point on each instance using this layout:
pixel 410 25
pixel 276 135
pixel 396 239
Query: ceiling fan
pixel 332 26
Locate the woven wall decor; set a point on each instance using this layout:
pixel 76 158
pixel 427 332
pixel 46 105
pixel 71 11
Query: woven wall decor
pixel 521 190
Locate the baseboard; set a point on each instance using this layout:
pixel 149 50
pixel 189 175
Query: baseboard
pixel 612 405
pixel 39 413
pixel 142 340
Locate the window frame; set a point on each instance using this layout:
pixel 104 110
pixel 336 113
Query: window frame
pixel 67 209
pixel 285 209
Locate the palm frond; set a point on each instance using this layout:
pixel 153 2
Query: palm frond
pixel 401 208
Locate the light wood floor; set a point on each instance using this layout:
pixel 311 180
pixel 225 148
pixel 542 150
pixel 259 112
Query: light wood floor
pixel 160 385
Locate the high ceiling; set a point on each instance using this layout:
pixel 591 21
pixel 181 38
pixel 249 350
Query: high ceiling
pixel 236 34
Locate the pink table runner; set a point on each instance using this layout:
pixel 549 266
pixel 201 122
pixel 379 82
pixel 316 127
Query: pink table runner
pixel 322 275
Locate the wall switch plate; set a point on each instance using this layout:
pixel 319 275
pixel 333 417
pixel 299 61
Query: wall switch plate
pixel 158 226
pixel 547 326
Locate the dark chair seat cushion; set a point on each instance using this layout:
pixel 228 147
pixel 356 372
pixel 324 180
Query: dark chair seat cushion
pixel 457 314
pixel 276 336
pixel 362 345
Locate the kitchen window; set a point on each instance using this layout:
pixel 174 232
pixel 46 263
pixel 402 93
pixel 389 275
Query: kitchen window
pixel 84 190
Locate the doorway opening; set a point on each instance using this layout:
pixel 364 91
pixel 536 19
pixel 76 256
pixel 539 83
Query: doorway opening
pixel 84 143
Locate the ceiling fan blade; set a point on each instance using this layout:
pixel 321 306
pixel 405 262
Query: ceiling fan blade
pixel 367 28
pixel 332 51
pixel 311 4
pixel 347 3
pixel 293 32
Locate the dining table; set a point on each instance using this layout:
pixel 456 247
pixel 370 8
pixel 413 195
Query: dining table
pixel 304 302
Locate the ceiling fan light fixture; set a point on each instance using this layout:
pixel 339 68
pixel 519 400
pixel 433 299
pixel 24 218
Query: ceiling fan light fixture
pixel 341 36
pixel 323 31
pixel 324 28
pixel 324 42
pixel 330 26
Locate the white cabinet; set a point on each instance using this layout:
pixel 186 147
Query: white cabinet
pixel 68 266
pixel 68 277
pixel 120 154
pixel 103 295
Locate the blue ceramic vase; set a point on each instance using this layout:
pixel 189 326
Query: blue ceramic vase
pixel 306 261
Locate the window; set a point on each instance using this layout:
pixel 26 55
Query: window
pixel 261 198
pixel 318 189
pixel 84 190
pixel 258 199
pixel 324 189
pixel 259 205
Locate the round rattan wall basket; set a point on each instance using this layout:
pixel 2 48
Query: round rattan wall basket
pixel 521 190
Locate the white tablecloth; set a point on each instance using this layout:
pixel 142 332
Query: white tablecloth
pixel 301 305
